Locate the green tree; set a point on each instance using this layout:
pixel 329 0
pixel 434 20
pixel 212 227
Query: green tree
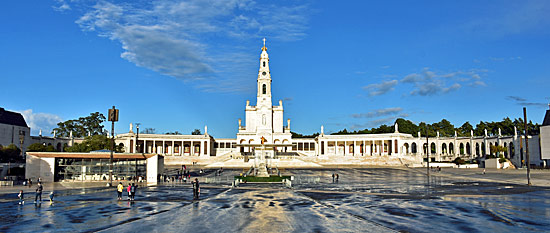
pixel 173 133
pixel 297 135
pixel 445 128
pixel 422 128
pixel 196 132
pixel 149 131
pixel 39 147
pixel 406 126
pixel 465 129
pixel 82 126
pixel 92 143
pixel 10 153
pixel 36 147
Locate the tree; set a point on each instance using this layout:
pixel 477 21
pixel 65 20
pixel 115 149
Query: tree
pixel 80 127
pixel 10 153
pixel 465 129
pixel 297 135
pixel 173 133
pixel 494 149
pixel 445 128
pixel 92 143
pixel 196 132
pixel 406 126
pixel 39 147
pixel 149 131
pixel 480 128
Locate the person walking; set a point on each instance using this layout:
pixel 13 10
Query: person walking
pixel 30 182
pixel 21 195
pixel 337 177
pixel 196 189
pixel 38 192
pixel 119 189
pixel 332 177
pixel 129 191
pixel 133 191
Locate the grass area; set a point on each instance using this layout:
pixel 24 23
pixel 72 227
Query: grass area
pixel 262 179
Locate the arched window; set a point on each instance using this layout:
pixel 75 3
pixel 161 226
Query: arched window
pixel 264 89
pixel 264 63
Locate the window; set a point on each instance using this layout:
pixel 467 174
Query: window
pixel 264 63
pixel 264 89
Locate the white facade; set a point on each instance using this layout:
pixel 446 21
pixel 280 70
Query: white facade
pixel 264 120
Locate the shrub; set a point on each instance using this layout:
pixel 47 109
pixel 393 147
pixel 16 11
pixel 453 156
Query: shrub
pixel 459 161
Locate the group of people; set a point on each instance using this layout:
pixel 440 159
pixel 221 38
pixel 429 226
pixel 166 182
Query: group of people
pixel 335 177
pixel 29 182
pixel 37 196
pixel 131 189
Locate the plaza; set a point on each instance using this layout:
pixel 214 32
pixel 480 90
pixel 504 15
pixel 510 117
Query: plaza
pixel 376 199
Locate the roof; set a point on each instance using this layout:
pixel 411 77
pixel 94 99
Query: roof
pixel 12 118
pixel 91 155
pixel 546 120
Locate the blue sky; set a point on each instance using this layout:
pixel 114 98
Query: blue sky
pixel 180 65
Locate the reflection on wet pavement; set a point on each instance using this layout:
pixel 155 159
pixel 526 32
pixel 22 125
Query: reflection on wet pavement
pixel 363 200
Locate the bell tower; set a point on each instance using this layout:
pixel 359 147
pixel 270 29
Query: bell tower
pixel 264 80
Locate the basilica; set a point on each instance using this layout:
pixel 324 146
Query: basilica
pixel 264 124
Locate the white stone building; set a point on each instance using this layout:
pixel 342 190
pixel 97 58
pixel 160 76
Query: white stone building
pixel 266 121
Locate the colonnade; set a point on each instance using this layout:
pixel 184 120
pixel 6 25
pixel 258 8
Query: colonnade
pixel 359 147
pixel 173 147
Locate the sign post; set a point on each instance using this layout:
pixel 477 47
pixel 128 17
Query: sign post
pixel 113 116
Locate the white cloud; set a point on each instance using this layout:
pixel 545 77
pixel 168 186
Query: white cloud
pixel 428 82
pixel 40 121
pixel 199 41
pixel 381 88
pixel 378 113
pixel 62 5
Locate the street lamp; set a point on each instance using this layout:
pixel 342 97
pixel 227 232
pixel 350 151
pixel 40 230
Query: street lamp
pixel 113 116
pixel 137 137
pixel 137 147
pixel 21 141
pixel 427 151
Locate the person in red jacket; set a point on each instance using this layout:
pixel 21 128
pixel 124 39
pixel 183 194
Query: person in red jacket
pixel 129 189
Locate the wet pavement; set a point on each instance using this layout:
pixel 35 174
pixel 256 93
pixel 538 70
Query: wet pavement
pixel 363 200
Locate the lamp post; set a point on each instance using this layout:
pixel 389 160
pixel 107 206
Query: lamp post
pixel 113 116
pixel 527 146
pixel 137 147
pixel 21 141
pixel 427 152
pixel 137 137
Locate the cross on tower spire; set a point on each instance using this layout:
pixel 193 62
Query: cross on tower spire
pixel 264 48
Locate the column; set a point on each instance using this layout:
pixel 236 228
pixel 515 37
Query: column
pixel 144 147
pixel 208 147
pixel 201 148
pixel 354 147
pixel 173 145
pixel 154 147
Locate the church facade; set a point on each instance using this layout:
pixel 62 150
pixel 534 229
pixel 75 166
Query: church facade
pixel 264 123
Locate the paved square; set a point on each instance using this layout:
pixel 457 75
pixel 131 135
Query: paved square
pixel 363 200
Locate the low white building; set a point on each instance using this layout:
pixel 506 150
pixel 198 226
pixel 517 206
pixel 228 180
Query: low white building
pixel 93 166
